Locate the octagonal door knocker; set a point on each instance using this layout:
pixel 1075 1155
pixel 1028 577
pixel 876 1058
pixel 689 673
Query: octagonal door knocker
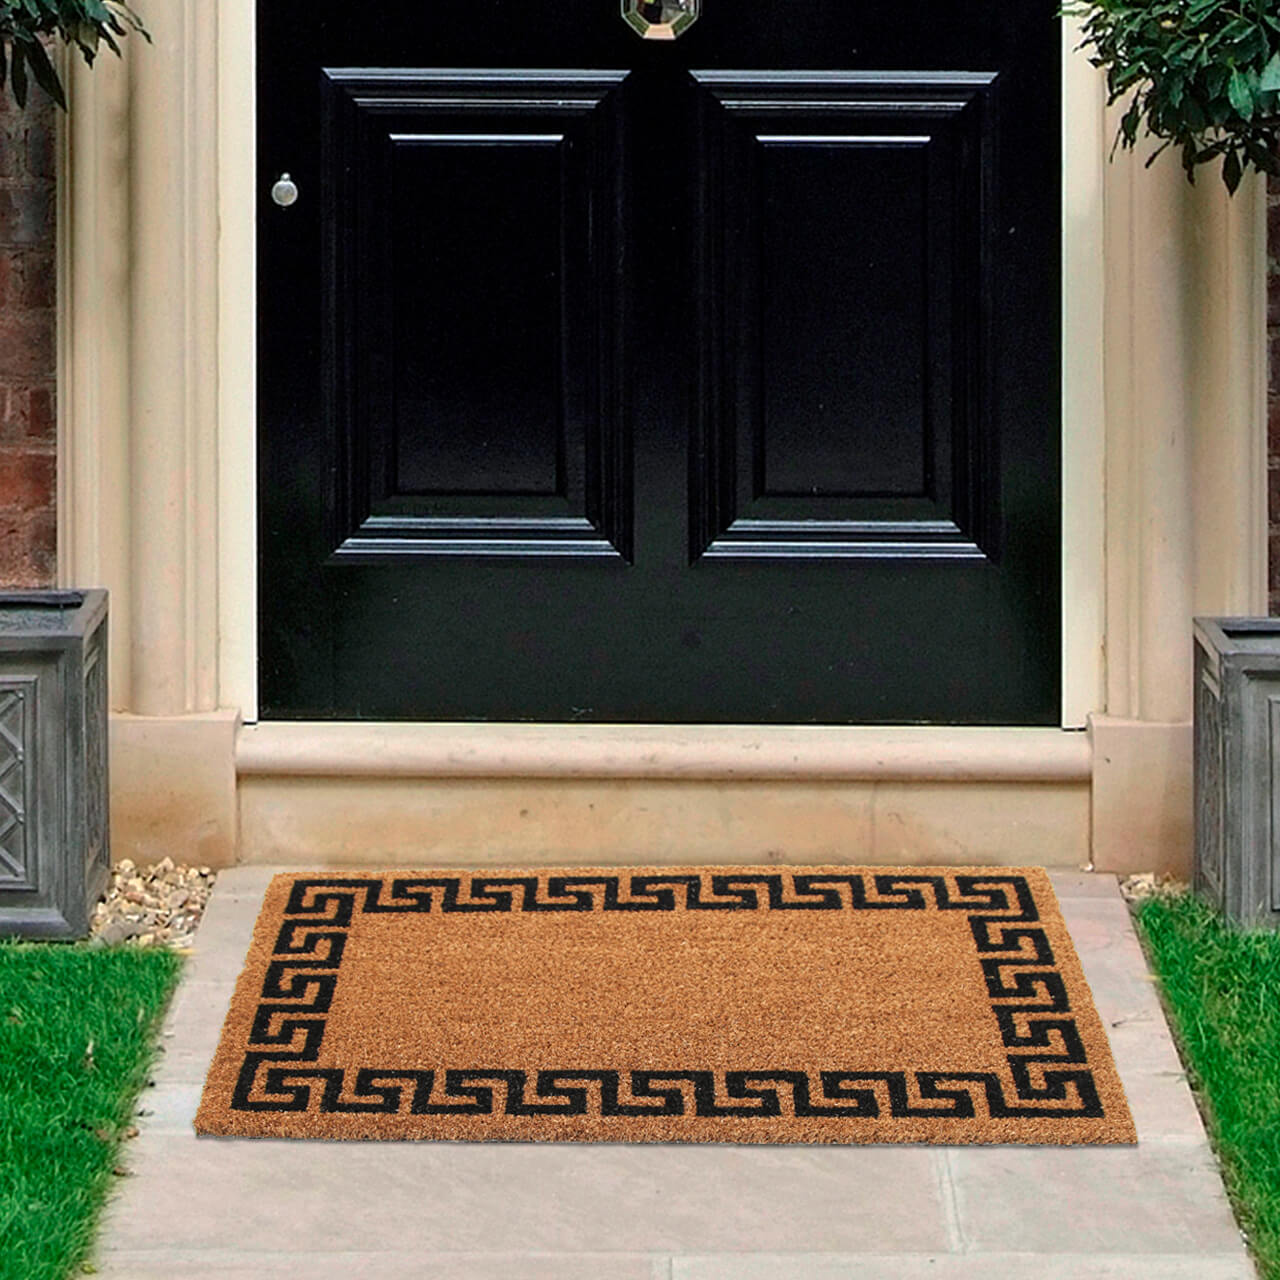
pixel 660 19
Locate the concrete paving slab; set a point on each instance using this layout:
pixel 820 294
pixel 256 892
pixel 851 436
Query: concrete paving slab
pixel 1162 1196
pixel 190 1032
pixel 984 1266
pixel 169 1108
pixel 220 944
pixel 1162 1106
pixel 571 1198
pixel 249 881
pixel 1124 989
pixel 673 1212
pixel 1083 884
pixel 232 1265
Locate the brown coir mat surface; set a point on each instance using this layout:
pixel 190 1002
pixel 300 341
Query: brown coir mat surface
pixel 666 1004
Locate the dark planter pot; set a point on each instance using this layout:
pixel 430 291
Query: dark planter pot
pixel 1237 767
pixel 54 842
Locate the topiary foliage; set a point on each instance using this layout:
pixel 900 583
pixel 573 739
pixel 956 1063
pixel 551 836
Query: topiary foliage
pixel 1205 76
pixel 83 23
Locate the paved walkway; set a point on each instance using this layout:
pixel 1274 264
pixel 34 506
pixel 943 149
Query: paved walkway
pixel 237 1209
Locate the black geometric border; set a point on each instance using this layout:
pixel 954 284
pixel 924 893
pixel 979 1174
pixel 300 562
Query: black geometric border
pixel 1028 1000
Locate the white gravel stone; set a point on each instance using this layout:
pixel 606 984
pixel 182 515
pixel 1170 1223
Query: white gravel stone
pixel 160 905
pixel 1148 884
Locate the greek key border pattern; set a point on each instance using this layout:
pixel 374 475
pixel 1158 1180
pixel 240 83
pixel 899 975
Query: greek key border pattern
pixel 1048 1064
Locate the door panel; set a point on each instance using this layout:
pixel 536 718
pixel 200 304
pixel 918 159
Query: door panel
pixel 712 379
pixel 846 290
pixel 471 389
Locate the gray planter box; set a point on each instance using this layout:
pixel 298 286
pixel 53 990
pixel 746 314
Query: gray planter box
pixel 1237 767
pixel 54 844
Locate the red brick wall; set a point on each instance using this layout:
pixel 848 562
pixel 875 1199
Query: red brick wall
pixel 1273 390
pixel 27 343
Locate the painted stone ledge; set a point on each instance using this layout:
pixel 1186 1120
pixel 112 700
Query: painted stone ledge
pixel 728 752
pixel 407 821
pixel 173 788
pixel 388 794
pixel 1142 809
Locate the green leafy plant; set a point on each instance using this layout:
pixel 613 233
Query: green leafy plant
pixel 1204 76
pixel 86 24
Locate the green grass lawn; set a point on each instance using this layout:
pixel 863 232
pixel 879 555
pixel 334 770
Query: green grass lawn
pixel 77 1029
pixel 1223 990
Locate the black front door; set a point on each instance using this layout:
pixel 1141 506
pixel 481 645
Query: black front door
pixel 701 379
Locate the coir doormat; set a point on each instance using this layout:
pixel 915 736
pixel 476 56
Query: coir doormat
pixel 661 1004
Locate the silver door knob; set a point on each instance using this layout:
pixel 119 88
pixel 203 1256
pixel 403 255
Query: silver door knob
pixel 285 191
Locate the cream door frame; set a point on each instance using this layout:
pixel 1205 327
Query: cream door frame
pixel 1164 502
